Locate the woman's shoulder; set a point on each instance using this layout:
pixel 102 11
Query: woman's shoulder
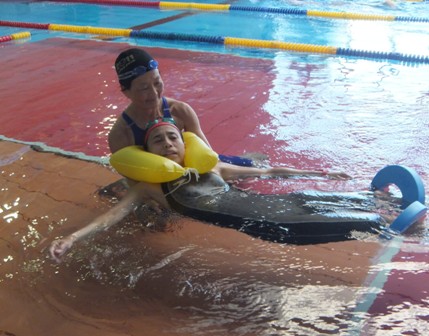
pixel 120 136
pixel 177 106
pixel 119 128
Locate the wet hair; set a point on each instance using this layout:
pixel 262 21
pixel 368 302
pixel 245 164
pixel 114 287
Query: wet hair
pixel 131 64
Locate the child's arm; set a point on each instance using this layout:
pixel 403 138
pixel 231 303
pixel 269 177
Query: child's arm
pixel 232 172
pixel 141 192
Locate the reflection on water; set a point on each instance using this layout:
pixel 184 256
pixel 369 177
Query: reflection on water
pixel 240 286
pixel 195 279
pixel 201 283
pixel 345 107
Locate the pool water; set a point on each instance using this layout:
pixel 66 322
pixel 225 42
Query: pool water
pixel 385 35
pixel 300 109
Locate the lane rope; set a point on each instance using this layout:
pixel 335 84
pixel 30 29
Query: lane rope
pixel 227 41
pixel 16 36
pixel 218 7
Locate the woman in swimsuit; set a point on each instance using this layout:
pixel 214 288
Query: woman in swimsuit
pixel 164 138
pixel 142 84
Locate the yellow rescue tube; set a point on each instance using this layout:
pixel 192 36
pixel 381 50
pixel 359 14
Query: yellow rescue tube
pixel 137 164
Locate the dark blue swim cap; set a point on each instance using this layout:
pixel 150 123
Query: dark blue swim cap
pixel 133 63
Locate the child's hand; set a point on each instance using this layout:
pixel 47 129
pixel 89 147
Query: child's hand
pixel 59 247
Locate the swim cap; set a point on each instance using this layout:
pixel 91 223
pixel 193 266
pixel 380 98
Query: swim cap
pixel 133 63
pixel 156 123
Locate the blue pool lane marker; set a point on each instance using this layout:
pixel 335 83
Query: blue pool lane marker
pixel 413 196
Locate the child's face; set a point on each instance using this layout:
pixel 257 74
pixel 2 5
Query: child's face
pixel 166 141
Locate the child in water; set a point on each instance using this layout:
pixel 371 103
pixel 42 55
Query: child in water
pixel 164 138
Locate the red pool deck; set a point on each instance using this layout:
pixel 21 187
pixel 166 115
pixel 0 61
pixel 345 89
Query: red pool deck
pixel 63 93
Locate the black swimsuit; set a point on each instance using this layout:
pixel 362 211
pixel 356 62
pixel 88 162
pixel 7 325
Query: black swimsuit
pixel 306 217
pixel 139 133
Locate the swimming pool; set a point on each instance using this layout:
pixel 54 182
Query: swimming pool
pixel 353 114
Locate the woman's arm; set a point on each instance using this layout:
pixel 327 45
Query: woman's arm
pixel 187 117
pixel 120 136
pixel 232 172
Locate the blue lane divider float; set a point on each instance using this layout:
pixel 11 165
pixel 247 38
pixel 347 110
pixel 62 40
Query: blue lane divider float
pixel 287 11
pixel 298 47
pixel 177 37
pixel 328 14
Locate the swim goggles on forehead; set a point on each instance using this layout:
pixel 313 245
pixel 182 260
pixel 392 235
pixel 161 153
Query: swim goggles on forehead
pixel 150 126
pixel 152 123
pixel 139 70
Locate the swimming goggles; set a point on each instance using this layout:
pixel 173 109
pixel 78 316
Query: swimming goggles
pixel 139 70
pixel 152 123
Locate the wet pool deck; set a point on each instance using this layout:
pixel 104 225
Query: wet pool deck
pixel 56 92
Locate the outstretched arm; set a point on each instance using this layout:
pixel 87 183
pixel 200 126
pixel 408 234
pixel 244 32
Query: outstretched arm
pixel 232 172
pixel 136 194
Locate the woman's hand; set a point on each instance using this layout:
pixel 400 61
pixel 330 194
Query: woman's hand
pixel 60 246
